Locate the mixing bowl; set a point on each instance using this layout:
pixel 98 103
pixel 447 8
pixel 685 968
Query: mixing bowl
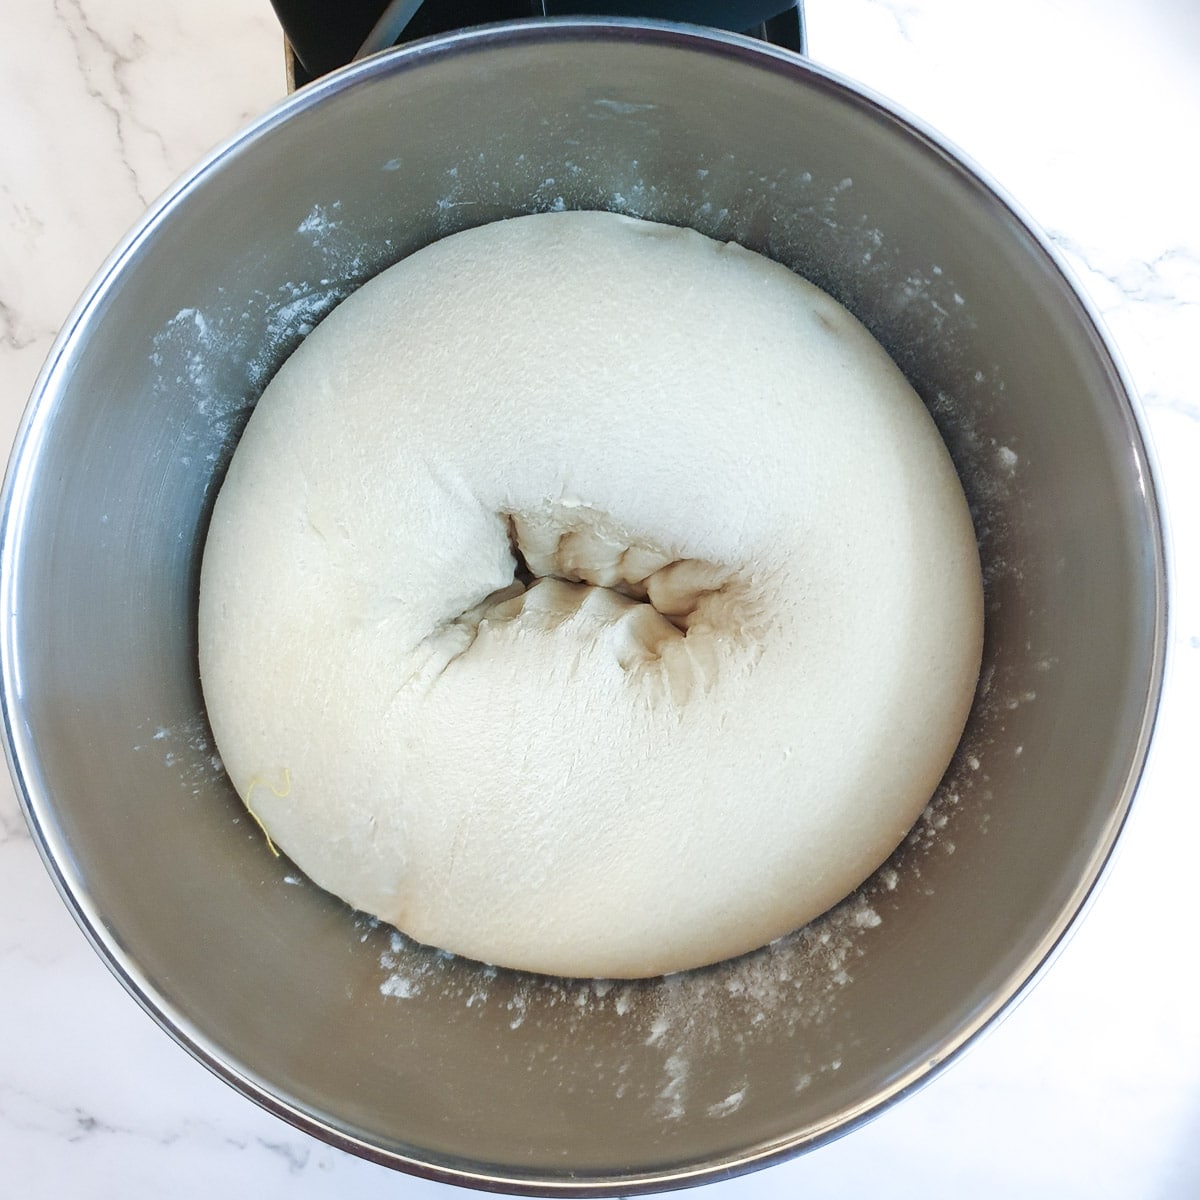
pixel 442 1066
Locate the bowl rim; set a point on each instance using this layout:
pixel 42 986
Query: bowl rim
pixel 20 751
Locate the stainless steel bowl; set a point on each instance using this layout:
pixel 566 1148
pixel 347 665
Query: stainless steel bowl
pixel 441 1066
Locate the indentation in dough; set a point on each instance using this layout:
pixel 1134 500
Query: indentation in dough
pixel 660 615
pixel 677 589
pixel 577 543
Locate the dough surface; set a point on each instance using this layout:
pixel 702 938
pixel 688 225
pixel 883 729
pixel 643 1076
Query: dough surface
pixel 589 597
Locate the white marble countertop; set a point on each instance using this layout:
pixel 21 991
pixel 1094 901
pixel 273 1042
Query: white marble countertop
pixel 1087 111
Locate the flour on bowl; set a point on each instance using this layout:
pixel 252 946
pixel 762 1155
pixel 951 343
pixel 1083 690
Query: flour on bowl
pixel 186 748
pixel 797 981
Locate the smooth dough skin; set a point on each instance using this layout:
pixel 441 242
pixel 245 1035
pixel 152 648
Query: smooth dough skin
pixel 589 597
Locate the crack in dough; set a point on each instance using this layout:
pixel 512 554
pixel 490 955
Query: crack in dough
pixel 652 610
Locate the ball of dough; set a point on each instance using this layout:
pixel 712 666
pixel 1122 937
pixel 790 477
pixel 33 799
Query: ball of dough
pixel 589 597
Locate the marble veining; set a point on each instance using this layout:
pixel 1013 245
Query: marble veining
pixel 1086 110
pixel 102 67
pixel 12 826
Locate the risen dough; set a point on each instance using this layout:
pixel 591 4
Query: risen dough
pixel 747 661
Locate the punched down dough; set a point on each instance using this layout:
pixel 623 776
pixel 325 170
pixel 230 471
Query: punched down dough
pixel 589 597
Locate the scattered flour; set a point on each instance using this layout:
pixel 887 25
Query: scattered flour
pixel 730 1104
pixel 795 984
pixel 671 1098
pixel 796 981
pixel 188 749
pixel 223 354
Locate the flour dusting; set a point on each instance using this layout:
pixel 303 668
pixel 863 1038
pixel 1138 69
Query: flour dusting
pixel 795 982
pixel 222 352
pixel 792 987
pixel 671 1104
pixel 730 1104
pixel 188 749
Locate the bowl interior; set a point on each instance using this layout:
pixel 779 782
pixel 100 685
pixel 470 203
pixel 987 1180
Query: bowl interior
pixel 442 1065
